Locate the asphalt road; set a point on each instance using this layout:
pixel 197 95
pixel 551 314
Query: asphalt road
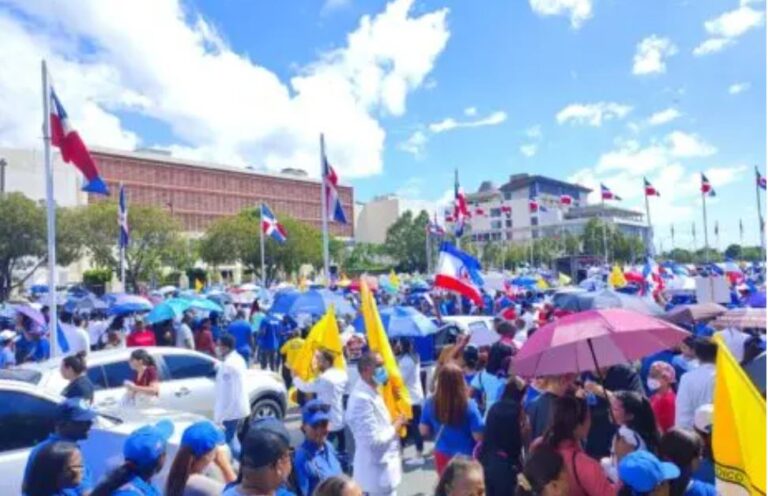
pixel 418 481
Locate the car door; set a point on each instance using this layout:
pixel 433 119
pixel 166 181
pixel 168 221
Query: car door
pixel 189 386
pixel 25 420
pixel 115 375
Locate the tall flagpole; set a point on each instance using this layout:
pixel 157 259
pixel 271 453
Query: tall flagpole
pixel 122 244
pixel 428 247
pixel 605 240
pixel 706 233
pixel 649 236
pixel 261 246
pixel 693 231
pixel 761 225
pixel 51 210
pixel 324 212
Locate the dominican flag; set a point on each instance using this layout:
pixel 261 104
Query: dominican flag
pixel 331 189
pixel 566 200
pixel 706 186
pixel 534 206
pixel 434 228
pixel 460 209
pixel 270 226
pixel 649 189
pixel 479 211
pixel 607 194
pixel 507 210
pixel 460 272
pixel 759 178
pixel 73 150
pixel 122 219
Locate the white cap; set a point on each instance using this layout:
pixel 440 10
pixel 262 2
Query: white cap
pixel 7 335
pixel 702 419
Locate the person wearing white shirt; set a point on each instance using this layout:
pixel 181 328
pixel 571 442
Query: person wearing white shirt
pixel 184 337
pixel 410 369
pixel 696 386
pixel 376 462
pixel 329 388
pixel 82 339
pixel 734 339
pixel 231 402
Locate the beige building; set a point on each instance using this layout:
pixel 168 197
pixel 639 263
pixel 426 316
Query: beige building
pixel 374 218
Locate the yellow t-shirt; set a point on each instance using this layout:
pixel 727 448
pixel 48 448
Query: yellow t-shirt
pixel 290 349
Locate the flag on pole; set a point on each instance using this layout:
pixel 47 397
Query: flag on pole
pixel 479 211
pixel 535 206
pixel 460 272
pixel 738 428
pixel 649 189
pixel 607 194
pixel 741 229
pixel 759 178
pixel 706 186
pixel 323 336
pixel 271 226
pixel 717 229
pixel 434 228
pixel 122 219
pixel 73 150
pixel 394 392
pixel 507 210
pixel 460 208
pixel 566 200
pixel 334 209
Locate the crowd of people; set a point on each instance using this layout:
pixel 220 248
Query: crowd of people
pixel 632 428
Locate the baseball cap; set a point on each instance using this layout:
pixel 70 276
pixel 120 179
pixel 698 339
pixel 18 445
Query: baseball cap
pixel 702 418
pixel 315 411
pixel 147 444
pixel 265 442
pixel 7 335
pixel 75 410
pixel 643 472
pixel 202 437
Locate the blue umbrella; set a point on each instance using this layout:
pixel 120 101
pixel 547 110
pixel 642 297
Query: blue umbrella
pixel 167 310
pixel 313 302
pixel 401 322
pixel 122 304
pixel 756 299
pixel 525 281
pixel 88 303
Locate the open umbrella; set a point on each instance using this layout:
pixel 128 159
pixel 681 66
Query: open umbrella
pixel 574 343
pixel 34 315
pixel 168 309
pixel 122 303
pixel 690 314
pixel 741 318
pixel 312 302
pixel 756 299
pixel 401 322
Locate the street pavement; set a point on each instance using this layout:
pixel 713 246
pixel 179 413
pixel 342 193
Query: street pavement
pixel 417 481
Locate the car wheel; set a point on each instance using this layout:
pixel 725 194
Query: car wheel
pixel 266 407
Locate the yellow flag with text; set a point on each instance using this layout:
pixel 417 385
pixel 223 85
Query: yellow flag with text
pixel 324 335
pixel 617 279
pixel 394 392
pixel 563 279
pixel 738 429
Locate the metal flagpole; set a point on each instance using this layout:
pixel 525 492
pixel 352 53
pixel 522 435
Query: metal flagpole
pixel 741 232
pixel 706 234
pixel 428 247
pixel 761 225
pixel 672 234
pixel 649 235
pixel 51 210
pixel 605 240
pixel 717 235
pixel 261 243
pixel 324 211
pixel 120 238
pixel 693 231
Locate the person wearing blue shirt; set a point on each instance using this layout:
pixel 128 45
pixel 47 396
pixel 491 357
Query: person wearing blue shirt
pixel 144 452
pixel 269 342
pixel 241 330
pixel 7 357
pixel 315 460
pixel 74 418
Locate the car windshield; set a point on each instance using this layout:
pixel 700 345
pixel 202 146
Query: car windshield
pixel 22 375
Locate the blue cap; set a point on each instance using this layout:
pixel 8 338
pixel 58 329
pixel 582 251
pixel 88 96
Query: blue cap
pixel 643 472
pixel 202 437
pixel 314 412
pixel 75 410
pixel 147 444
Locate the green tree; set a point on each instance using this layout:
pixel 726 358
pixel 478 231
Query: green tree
pixel 364 257
pixel 156 240
pixel 680 255
pixel 733 251
pixel 492 255
pixel 752 254
pixel 406 242
pixel 626 249
pixel 515 255
pixel 703 255
pixel 592 237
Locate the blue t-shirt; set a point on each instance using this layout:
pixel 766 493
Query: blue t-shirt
pixel 698 488
pixel 137 487
pixel 488 386
pixel 454 440
pixel 86 484
pixel 241 331
pixel 269 333
pixel 313 464
pixel 7 358
pixel 705 472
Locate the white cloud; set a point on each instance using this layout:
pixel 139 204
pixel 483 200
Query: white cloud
pixel 578 10
pixel 529 150
pixel 415 144
pixel 664 116
pixel 331 5
pixel 737 88
pixel 724 29
pixel 470 111
pixel 449 123
pixel 688 145
pixel 534 132
pixel 218 104
pixel 592 114
pixel 534 136
pixel 650 55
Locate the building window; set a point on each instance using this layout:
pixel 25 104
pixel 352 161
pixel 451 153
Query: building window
pixel 495 212
pixel 495 224
pixel 507 195
pixel 534 221
pixel 509 223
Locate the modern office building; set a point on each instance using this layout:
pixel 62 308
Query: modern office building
pixel 374 218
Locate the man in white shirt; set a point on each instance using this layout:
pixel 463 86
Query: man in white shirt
pixel 329 388
pixel 231 403
pixel 696 386
pixel 734 339
pixel 80 339
pixel 376 462
pixel 184 337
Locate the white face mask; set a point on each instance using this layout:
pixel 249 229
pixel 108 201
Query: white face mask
pixel 653 384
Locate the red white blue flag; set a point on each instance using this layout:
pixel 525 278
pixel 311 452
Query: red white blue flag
pixel 270 225
pixel 566 200
pixel 607 194
pixel 649 189
pixel 460 208
pixel 535 206
pixel 334 209
pixel 73 150
pixel 460 272
pixel 122 219
pixel 706 186
pixel 759 178
pixel 434 228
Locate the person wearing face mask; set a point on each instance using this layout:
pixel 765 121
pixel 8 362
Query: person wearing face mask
pixel 231 402
pixel 376 462
pixel 660 380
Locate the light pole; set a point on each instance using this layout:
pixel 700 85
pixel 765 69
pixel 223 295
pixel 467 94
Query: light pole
pixel 3 163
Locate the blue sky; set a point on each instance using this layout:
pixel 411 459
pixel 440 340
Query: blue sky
pixel 408 90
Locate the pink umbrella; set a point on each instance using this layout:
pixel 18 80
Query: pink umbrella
pixel 595 338
pixel 34 315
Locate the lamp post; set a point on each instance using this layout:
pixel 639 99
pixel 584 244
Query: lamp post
pixel 3 163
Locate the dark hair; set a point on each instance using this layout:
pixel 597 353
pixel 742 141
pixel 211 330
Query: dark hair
pixel 568 413
pixel 77 320
pixel 181 468
pixel 456 468
pixel 543 466
pixel 227 341
pixel 505 328
pixel 332 486
pixel 502 432
pixel 123 474
pixel 643 420
pixel 471 356
pixel 681 447
pixel 706 350
pixel 450 400
pixel 367 360
pixel 327 355
pixel 45 469
pixel 117 324
pixel 75 362
pixel 498 357
pixel 255 307
pixel 142 356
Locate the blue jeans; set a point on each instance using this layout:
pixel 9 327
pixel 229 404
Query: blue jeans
pixel 230 437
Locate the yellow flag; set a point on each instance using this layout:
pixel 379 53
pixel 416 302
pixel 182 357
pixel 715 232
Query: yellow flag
pixel 394 392
pixel 394 280
pixel 324 335
pixel 198 285
pixel 541 283
pixel 563 279
pixel 617 279
pixel 738 429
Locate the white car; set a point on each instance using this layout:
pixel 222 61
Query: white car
pixel 187 381
pixel 28 414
